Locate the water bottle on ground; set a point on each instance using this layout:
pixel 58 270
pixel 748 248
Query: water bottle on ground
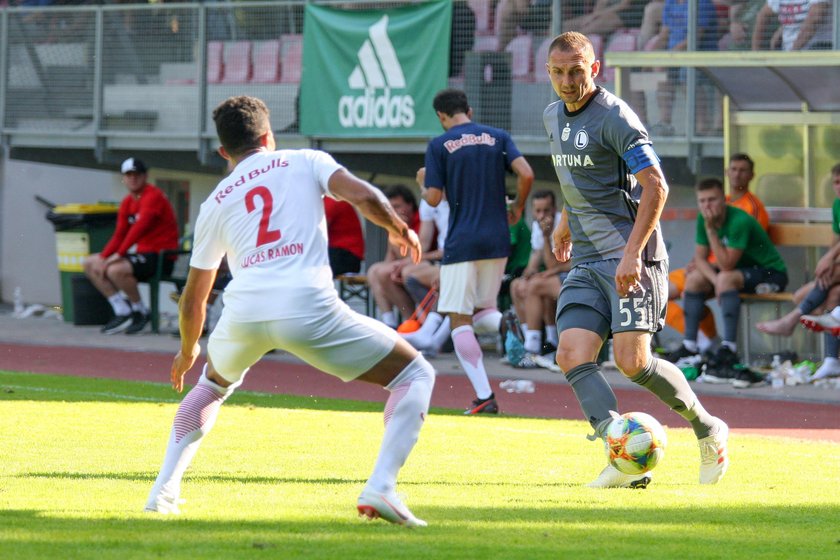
pixel 518 385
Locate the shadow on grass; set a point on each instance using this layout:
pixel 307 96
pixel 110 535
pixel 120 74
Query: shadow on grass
pixel 545 530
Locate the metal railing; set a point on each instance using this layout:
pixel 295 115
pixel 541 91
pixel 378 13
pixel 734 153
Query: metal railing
pixel 145 76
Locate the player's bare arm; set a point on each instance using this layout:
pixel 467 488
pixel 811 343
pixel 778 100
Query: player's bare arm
pixel 654 194
pixel 374 206
pixel 563 239
pixel 191 316
pixel 524 180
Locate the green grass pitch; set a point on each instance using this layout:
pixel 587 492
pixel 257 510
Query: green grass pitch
pixel 278 478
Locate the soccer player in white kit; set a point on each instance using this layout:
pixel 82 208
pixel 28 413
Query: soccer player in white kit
pixel 267 216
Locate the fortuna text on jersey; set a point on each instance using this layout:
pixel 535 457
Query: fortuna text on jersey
pixel 379 74
pixel 571 160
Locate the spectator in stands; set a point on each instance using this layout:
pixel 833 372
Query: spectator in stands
pixel 344 233
pixel 673 35
pixel 824 289
pixel 469 162
pixel 740 173
pixel 742 16
pixel 651 23
pixel 532 16
pixel 607 16
pixel 462 36
pixel 146 220
pixel 803 25
pixel 746 262
pixel 535 293
pixel 385 277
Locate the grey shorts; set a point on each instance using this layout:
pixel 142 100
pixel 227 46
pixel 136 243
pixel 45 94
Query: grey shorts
pixel 589 300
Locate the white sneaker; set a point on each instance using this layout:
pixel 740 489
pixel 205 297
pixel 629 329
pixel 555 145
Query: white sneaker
pixel 714 457
pixel 829 368
pixel 611 477
pixel 387 506
pixel 164 504
pixel 546 361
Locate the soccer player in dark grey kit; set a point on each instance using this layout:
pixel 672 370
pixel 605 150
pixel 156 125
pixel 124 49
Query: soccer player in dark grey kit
pixel 613 192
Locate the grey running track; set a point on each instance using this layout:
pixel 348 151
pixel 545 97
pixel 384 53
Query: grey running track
pixel 819 421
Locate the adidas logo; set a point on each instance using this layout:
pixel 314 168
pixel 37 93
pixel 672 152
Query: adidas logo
pixel 378 74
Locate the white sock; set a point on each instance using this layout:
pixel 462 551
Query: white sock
pixel 441 334
pixel 471 359
pixel 835 313
pixel 139 307
pixel 703 341
pixel 405 413
pixel 533 341
pixel 729 344
pixel 487 321
pixel 551 334
pixel 690 345
pixel 390 319
pixel 203 401
pixel 422 337
pixel 119 305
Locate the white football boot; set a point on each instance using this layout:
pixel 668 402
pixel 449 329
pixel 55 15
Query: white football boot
pixel 388 506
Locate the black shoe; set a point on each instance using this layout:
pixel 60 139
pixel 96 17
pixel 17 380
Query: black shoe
pixel 679 354
pixel 118 324
pixel 726 357
pixel 139 320
pixel 484 406
pixel 548 348
pixel 745 377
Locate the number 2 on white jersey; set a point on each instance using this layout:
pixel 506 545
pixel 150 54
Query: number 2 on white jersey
pixel 264 235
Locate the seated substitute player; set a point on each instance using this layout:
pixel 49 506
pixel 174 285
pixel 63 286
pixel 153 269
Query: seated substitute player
pixel 614 192
pixel 268 192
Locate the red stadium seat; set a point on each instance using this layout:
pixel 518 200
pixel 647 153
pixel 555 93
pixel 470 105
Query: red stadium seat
pixel 540 58
pixel 521 57
pixel 237 57
pixel 215 66
pixel 620 41
pixel 266 62
pixel 291 58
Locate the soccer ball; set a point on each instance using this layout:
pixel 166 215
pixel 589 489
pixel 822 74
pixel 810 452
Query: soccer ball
pixel 635 442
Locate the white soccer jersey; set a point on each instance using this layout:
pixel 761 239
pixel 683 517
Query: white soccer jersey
pixel 267 216
pixel 439 215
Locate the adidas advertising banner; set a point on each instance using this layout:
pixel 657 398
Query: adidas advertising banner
pixel 374 74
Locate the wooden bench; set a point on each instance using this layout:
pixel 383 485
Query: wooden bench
pixel 355 286
pixel 783 234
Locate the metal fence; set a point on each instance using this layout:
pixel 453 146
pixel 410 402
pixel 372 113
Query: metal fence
pixel 139 76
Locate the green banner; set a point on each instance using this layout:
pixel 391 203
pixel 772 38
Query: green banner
pixel 374 74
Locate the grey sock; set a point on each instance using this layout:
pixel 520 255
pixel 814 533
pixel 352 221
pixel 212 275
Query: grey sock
pixel 594 394
pixel 813 300
pixel 666 381
pixel 832 345
pixel 730 307
pixel 693 304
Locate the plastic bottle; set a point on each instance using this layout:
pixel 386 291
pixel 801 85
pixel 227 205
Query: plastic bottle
pixel 18 299
pixel 777 376
pixel 518 385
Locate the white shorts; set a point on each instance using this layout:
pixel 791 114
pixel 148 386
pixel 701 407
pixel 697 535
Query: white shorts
pixel 331 337
pixel 467 286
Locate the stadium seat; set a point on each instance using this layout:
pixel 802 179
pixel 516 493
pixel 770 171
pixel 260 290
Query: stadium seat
pixel 237 57
pixel 215 65
pixel 291 58
pixel 540 58
pixel 483 10
pixel 521 57
pixel 266 62
pixel 621 41
pixel 486 43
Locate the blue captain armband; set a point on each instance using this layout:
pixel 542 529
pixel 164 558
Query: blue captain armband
pixel 640 157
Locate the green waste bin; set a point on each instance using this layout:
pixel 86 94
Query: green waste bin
pixel 81 229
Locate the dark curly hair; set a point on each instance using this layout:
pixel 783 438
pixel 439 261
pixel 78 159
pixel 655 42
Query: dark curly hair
pixel 240 121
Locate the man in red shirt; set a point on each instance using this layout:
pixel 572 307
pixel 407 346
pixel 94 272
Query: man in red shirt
pixel 344 232
pixel 147 222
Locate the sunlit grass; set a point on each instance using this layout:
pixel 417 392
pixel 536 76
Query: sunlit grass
pixel 278 478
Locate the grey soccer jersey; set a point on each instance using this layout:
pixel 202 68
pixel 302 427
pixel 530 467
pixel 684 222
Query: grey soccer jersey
pixel 599 191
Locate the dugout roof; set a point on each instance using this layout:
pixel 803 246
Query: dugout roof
pixel 807 81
